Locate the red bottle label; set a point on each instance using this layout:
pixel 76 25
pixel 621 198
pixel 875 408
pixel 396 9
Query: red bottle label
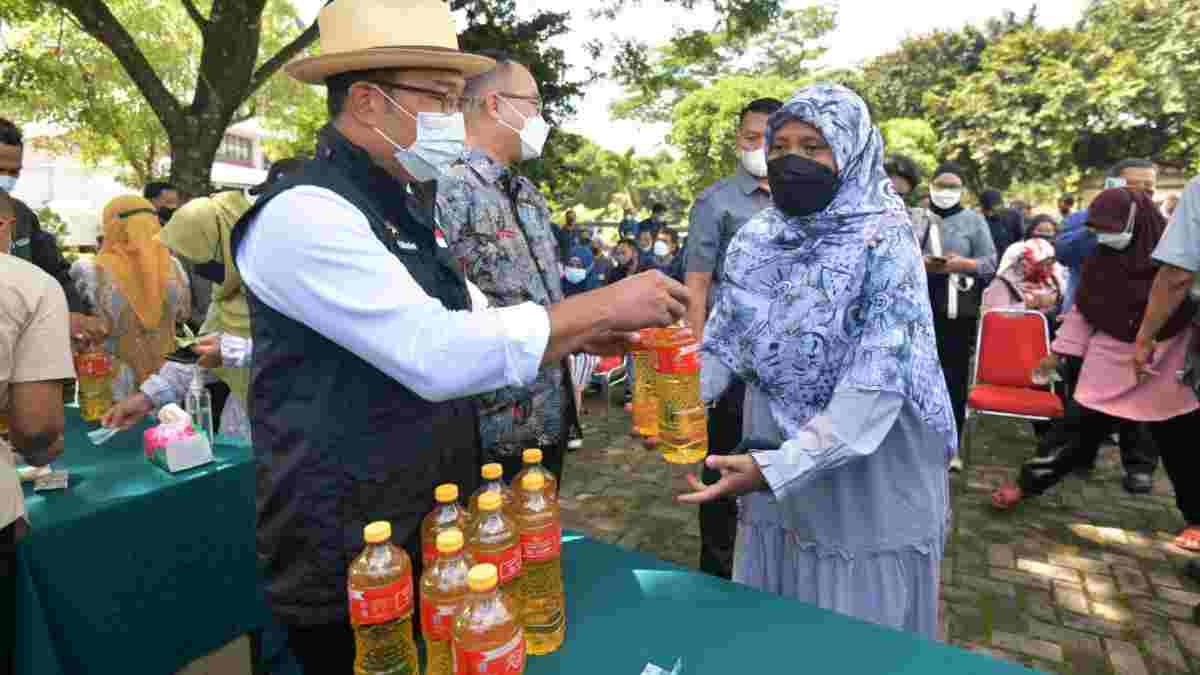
pixel 383 603
pixel 437 621
pixel 428 553
pixel 677 360
pixel 541 545
pixel 508 562
pixel 507 659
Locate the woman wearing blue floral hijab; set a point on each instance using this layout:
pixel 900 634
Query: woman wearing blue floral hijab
pixel 825 315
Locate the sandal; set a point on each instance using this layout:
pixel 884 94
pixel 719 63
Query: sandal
pixel 1189 539
pixel 1006 497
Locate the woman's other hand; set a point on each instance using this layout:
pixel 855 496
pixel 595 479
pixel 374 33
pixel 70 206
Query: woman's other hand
pixel 739 475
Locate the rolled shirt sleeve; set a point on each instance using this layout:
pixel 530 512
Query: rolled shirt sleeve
pixel 236 351
pixel 169 385
pixel 312 256
pixel 853 426
pixel 1180 244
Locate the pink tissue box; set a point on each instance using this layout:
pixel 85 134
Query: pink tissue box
pixel 158 437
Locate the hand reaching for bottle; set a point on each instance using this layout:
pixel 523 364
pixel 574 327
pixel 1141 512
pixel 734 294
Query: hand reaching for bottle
pixel 209 349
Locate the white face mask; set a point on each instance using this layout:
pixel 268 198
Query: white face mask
pixel 1119 240
pixel 945 199
pixel 533 135
pixel 8 183
pixel 439 143
pixel 576 275
pixel 661 249
pixel 754 161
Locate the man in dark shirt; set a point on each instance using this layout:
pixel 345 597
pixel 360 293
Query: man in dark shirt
pixel 567 234
pixel 1005 224
pixel 29 241
pixel 656 221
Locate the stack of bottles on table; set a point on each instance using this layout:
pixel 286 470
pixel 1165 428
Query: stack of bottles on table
pixel 492 589
pixel 667 409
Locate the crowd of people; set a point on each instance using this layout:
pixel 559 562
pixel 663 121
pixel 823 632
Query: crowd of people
pixel 837 308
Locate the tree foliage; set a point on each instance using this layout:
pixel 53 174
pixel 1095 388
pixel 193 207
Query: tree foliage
pixel 914 138
pixel 705 123
pixel 656 81
pixel 103 69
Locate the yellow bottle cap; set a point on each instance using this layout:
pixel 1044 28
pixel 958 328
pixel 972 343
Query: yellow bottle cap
pixel 490 501
pixel 377 532
pixel 533 481
pixel 450 541
pixel 532 456
pixel 482 577
pixel 492 471
pixel 446 493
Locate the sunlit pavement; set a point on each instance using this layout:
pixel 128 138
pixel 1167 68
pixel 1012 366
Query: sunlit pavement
pixel 1082 580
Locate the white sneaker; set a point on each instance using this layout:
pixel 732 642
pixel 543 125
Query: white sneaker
pixel 956 464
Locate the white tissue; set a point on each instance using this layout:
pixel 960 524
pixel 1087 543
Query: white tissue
pixel 173 414
pixel 652 669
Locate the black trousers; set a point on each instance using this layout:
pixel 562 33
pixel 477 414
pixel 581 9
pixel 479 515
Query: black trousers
pixel 1174 439
pixel 327 648
pixel 1139 452
pixel 718 518
pixel 8 597
pixel 955 339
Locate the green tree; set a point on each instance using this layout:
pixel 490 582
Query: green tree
pixel 914 138
pixel 193 65
pixel 705 123
pixel 655 82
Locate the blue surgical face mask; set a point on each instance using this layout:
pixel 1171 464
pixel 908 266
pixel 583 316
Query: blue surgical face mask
pixel 8 183
pixel 439 143
pixel 576 275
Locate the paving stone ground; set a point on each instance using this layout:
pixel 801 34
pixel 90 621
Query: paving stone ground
pixel 1083 580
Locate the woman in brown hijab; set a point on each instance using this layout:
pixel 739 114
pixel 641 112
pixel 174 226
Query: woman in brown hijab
pixel 140 292
pixel 1112 297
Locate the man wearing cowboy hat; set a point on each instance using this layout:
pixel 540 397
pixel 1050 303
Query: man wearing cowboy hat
pixel 368 341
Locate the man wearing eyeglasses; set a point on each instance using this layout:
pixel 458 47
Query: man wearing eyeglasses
pixel 498 227
pixel 369 344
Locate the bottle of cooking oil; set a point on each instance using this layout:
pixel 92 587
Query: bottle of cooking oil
pixel 493 481
pixel 488 639
pixel 532 457
pixel 645 401
pixel 94 368
pixel 493 538
pixel 446 515
pixel 543 608
pixel 682 417
pixel 381 606
pixel 443 593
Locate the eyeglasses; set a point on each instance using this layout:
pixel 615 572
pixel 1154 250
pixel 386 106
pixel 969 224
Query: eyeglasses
pixel 450 103
pixel 538 105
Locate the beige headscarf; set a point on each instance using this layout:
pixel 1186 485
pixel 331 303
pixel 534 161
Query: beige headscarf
pixel 200 232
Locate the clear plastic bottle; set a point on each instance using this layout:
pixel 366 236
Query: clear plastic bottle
pixel 94 368
pixel 493 538
pixel 682 417
pixel 380 585
pixel 543 601
pixel 645 400
pixel 493 480
pixel 443 593
pixel 488 639
pixel 198 405
pixel 532 457
pixel 448 514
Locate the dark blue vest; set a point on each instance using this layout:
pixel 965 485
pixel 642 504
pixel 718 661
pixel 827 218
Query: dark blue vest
pixel 339 443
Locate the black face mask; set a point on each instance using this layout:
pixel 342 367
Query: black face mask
pixel 799 186
pixel 164 214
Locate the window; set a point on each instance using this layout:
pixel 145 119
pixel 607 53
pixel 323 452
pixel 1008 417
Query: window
pixel 236 149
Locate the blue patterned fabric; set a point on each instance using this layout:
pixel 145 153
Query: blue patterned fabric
pixel 832 301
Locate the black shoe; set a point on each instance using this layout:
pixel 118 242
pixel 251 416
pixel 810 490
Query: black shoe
pixel 1138 483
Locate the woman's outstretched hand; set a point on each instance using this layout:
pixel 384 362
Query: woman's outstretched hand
pixel 739 475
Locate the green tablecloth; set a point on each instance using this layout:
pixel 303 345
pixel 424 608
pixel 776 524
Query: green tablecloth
pixel 132 569
pixel 625 609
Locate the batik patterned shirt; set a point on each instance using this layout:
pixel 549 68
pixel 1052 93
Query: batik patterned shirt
pixel 498 226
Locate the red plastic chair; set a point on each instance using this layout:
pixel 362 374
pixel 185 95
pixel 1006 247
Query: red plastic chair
pixel 1010 346
pixel 610 371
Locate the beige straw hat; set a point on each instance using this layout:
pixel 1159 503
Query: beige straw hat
pixel 369 34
